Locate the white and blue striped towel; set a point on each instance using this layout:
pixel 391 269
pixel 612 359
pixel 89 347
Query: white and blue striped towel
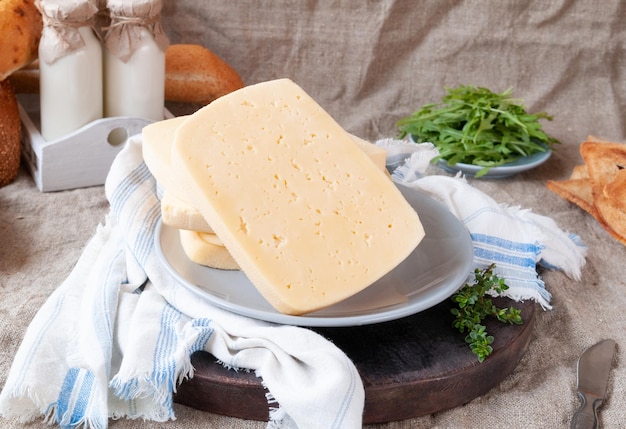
pixel 515 239
pixel 115 338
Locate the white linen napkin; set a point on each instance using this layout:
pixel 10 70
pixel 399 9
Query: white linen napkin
pixel 115 338
pixel 515 239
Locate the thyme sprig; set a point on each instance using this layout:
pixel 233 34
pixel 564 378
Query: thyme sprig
pixel 474 305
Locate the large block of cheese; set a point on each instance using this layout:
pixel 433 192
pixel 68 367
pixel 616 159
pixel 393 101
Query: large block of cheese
pixel 308 217
pixel 176 210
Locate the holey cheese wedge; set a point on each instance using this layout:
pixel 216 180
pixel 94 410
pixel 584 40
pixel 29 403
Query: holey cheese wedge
pixel 175 210
pixel 306 214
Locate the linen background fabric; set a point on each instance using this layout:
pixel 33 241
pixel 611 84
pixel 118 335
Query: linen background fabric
pixel 370 63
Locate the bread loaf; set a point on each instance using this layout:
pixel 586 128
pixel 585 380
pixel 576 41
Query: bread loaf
pixel 25 81
pixel 193 74
pixel 10 134
pixel 20 27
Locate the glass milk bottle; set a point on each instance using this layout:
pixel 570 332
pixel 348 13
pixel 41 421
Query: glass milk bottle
pixel 134 60
pixel 70 64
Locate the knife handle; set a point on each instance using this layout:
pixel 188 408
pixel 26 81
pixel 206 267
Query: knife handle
pixel 586 417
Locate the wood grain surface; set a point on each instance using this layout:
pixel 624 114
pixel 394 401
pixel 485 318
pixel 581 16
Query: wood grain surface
pixel 410 367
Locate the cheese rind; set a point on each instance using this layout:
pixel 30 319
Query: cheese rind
pixel 304 211
pixel 176 209
pixel 377 154
pixel 156 148
pixel 181 215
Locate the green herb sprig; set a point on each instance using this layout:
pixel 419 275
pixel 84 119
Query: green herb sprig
pixel 475 126
pixel 474 306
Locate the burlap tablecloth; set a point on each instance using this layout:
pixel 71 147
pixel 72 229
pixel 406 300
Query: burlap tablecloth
pixel 370 63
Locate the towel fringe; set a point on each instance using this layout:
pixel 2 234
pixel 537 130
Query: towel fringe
pixel 516 295
pixel 277 414
pixel 28 409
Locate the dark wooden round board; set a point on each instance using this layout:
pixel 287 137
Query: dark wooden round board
pixel 410 367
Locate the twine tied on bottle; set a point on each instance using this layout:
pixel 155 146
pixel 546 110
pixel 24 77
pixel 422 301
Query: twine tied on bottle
pixel 128 18
pixel 61 21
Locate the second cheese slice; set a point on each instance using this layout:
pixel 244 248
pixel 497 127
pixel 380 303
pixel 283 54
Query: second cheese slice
pixel 204 249
pixel 305 213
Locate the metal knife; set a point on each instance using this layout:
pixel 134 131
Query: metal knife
pixel 593 370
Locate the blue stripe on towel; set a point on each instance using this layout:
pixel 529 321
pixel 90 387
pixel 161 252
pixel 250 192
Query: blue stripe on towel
pixel 106 306
pixel 500 258
pixel 142 247
pixel 65 394
pixel 164 367
pixel 345 403
pixel 127 187
pixel 71 400
pixel 504 244
pixel 137 208
pixel 508 252
pixel 202 325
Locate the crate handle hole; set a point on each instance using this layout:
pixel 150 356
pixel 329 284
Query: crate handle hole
pixel 117 136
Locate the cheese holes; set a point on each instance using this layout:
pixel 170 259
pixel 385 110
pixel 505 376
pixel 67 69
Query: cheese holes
pixel 243 226
pixel 279 240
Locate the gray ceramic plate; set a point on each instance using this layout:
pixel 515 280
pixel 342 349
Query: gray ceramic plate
pixel 522 164
pixel 436 269
pixel 506 170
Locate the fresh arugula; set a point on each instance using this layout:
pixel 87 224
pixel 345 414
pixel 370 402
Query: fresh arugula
pixel 474 306
pixel 476 126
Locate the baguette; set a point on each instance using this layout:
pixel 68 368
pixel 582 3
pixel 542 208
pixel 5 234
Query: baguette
pixel 20 27
pixel 193 74
pixel 10 134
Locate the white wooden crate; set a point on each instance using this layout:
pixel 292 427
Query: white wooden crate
pixel 79 159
